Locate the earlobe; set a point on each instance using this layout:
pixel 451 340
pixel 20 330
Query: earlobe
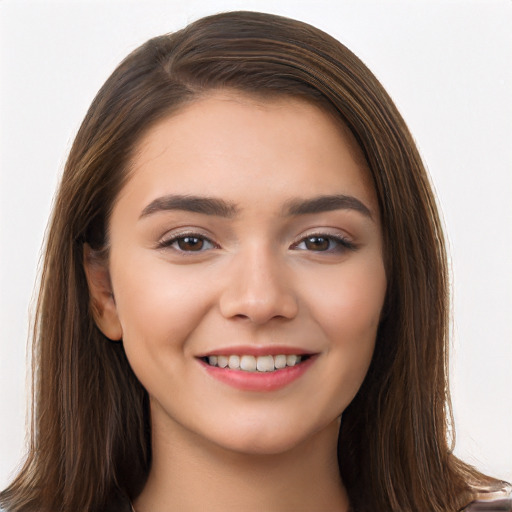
pixel 102 301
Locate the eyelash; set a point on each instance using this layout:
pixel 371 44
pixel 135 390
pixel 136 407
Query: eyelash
pixel 169 242
pixel 341 243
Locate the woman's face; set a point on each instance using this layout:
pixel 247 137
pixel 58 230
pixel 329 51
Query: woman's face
pixel 247 229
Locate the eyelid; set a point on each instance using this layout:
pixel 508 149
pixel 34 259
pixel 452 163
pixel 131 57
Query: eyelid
pixel 344 241
pixel 169 239
pixel 166 242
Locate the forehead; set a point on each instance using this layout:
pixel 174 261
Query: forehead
pixel 227 143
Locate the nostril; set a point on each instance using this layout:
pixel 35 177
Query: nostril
pixel 258 293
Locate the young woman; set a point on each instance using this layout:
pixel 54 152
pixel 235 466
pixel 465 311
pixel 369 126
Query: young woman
pixel 244 296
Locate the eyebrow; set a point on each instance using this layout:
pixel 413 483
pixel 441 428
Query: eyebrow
pixel 196 204
pixel 221 208
pixel 325 204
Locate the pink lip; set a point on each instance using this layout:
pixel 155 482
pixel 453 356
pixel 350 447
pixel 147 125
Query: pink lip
pixel 256 381
pixel 253 350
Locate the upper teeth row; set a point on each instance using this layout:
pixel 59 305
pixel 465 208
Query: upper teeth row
pixel 253 364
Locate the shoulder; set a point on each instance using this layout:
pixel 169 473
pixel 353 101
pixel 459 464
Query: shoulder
pixel 500 501
pixel 499 505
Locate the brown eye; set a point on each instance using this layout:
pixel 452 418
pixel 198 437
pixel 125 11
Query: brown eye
pixel 324 243
pixel 190 243
pixel 187 243
pixel 317 243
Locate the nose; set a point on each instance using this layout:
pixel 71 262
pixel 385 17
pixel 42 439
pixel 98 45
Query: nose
pixel 259 289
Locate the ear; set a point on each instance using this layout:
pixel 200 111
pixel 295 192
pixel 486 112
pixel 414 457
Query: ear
pixel 103 305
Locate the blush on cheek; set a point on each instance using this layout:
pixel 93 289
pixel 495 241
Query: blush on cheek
pixel 158 300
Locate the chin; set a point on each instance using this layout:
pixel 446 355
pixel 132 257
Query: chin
pixel 277 439
pixel 256 445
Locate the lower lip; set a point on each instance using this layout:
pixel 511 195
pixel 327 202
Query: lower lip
pixel 259 381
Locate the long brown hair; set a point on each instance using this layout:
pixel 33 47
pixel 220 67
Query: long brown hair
pixel 90 431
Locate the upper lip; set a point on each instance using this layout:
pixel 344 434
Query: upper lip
pixel 257 350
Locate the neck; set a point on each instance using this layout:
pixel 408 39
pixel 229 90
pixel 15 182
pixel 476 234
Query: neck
pixel 189 473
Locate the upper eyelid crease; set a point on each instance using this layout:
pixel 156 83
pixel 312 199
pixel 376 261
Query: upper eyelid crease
pixel 171 240
pixel 165 240
pixel 340 239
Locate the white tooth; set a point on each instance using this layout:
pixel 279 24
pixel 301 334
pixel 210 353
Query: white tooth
pixel 265 363
pixel 292 360
pixel 212 360
pixel 280 361
pixel 248 363
pixel 222 361
pixel 234 362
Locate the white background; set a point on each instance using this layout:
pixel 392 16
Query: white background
pixel 448 66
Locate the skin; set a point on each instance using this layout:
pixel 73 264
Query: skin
pixel 253 278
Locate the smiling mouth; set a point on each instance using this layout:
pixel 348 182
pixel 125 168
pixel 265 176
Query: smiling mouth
pixel 255 364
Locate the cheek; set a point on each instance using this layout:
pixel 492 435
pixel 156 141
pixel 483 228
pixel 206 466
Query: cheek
pixel 349 301
pixel 348 312
pixel 158 304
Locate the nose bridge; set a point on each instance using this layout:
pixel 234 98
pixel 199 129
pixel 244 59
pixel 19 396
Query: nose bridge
pixel 258 287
